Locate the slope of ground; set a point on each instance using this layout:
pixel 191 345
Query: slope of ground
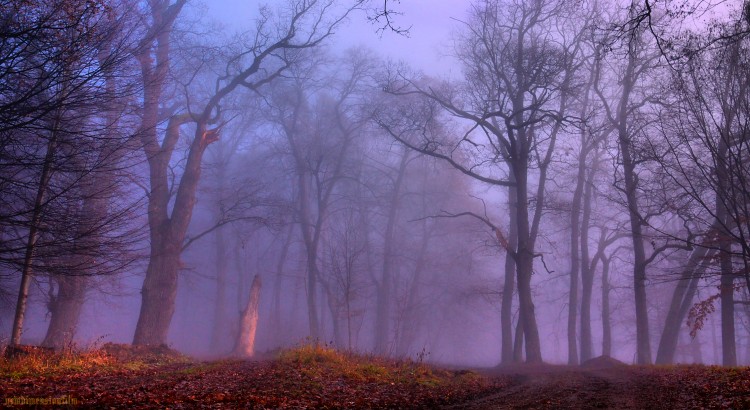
pixel 608 385
pixel 306 377
pixel 120 376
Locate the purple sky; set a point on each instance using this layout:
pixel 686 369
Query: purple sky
pixel 425 48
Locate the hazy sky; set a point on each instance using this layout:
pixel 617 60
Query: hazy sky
pixel 425 48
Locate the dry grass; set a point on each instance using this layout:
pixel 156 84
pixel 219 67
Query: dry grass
pixel 75 359
pixel 317 361
pixel 42 362
pixel 310 376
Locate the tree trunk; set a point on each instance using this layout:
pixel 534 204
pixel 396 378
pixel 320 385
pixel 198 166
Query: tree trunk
pixel 682 297
pixel 639 255
pixel 643 344
pixel 409 324
pixel 98 189
pixel 276 312
pixel 65 310
pixel 158 295
pixel 525 265
pixel 167 236
pixel 728 339
pixel 575 261
pixel 220 312
pixel 587 270
pixel 518 341
pixel 245 346
pixel 509 285
pixel 33 234
pixel 160 284
pixel 606 318
pixel 384 288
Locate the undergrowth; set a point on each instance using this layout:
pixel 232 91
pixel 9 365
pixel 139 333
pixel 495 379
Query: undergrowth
pixel 318 361
pixel 309 376
pixel 72 358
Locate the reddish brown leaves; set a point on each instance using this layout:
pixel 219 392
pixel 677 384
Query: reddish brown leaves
pixel 283 383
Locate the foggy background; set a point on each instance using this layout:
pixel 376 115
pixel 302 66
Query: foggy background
pixel 393 205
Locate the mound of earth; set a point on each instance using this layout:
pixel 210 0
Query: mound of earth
pixel 146 354
pixel 603 362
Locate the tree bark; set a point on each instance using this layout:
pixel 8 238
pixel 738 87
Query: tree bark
pixel 728 338
pixel 220 312
pixel 276 312
pixel 643 343
pixel 606 317
pixel 384 288
pixel 575 261
pixel 245 346
pixel 409 323
pixel 525 263
pixel 65 310
pixel 587 270
pixel 509 285
pixel 518 341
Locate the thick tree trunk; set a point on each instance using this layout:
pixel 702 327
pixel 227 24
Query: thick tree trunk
pixel 525 266
pixel 245 346
pixel 158 295
pixel 159 289
pixel 160 284
pixel 65 310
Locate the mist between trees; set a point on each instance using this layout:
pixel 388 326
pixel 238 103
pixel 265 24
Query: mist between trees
pixel 579 187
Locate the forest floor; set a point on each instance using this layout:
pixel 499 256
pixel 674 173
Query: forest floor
pixel 120 376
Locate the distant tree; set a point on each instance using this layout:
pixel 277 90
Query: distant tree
pixel 624 110
pixel 319 129
pixel 343 272
pixel 514 95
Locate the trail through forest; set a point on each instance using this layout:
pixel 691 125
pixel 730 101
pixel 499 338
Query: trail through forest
pixel 548 387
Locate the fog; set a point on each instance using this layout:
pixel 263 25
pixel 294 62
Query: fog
pixel 469 183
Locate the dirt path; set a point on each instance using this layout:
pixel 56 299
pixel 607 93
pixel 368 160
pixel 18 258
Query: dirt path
pixel 567 388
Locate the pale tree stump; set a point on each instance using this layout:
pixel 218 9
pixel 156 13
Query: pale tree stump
pixel 245 345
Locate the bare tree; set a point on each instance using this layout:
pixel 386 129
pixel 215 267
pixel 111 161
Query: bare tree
pixel 320 130
pixel 707 131
pixel 623 111
pixel 270 51
pixel 515 95
pixel 61 115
